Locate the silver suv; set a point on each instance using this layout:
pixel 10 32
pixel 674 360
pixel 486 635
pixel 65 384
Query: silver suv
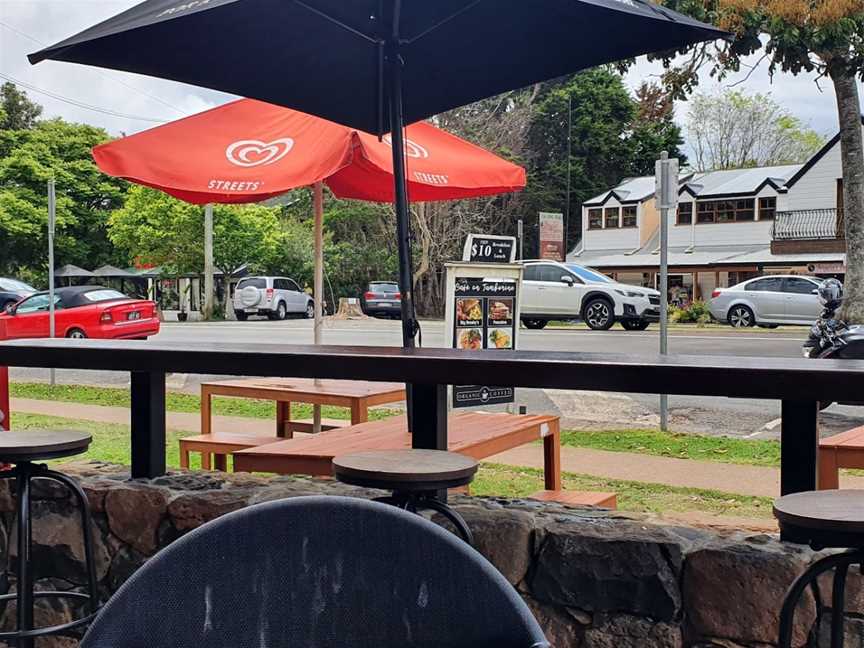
pixel 568 291
pixel 273 297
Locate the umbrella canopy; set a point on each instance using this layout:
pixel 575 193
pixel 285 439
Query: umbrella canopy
pixel 248 151
pixel 328 57
pixel 70 271
pixel 110 271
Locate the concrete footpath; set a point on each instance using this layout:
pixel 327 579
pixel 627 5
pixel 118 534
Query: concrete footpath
pixel 724 477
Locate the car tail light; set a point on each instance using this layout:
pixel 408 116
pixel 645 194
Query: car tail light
pixel 106 318
pixel 397 295
pixel 369 295
pixel 269 294
pixel 716 293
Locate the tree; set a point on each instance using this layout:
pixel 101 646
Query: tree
pixel 733 130
pixel 85 197
pixel 17 112
pixel 614 136
pixel 825 36
pixel 155 228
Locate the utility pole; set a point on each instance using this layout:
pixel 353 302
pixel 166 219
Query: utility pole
pixel 569 162
pixel 666 194
pixel 208 262
pixel 52 220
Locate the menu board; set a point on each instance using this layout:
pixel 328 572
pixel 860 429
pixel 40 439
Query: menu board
pixel 485 318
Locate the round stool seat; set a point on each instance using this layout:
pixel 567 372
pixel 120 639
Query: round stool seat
pixel 405 470
pixel 39 445
pixel 822 519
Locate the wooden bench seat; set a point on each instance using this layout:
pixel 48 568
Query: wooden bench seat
pixel 220 445
pixel 844 450
pixel 578 498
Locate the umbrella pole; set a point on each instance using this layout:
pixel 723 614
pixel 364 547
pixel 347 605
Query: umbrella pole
pixel 318 202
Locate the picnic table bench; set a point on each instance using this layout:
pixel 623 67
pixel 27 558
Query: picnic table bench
pixel 474 434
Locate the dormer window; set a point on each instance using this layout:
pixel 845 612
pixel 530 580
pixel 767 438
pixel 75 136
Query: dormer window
pixel 613 217
pixel 595 219
pixel 629 216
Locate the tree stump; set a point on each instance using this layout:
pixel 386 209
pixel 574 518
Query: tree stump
pixel 349 308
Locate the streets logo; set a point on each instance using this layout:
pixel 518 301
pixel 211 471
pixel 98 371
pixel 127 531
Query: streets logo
pixel 412 149
pixel 192 4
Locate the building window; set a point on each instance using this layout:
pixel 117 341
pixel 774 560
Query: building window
pixel 685 213
pixel 767 208
pixel 628 217
pixel 613 217
pixel 595 219
pixel 726 211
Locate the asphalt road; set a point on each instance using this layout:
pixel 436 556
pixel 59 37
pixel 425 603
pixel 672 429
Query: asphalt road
pixel 746 418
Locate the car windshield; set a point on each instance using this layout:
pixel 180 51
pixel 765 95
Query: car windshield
pixel 255 282
pixel 389 288
pixel 103 295
pixel 587 274
pixel 15 286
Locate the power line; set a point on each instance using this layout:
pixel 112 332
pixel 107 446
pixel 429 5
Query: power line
pixel 149 95
pixel 79 104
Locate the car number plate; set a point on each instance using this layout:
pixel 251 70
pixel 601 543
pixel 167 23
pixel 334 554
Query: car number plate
pixel 134 315
pixel 385 303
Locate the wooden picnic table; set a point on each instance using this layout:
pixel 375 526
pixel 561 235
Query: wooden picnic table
pixel 356 396
pixel 474 434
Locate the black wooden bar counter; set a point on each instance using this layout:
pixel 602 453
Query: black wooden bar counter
pixel 800 384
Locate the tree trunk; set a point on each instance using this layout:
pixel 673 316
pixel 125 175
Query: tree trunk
pixel 852 153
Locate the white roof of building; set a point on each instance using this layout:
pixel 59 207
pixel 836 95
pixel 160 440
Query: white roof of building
pixel 701 256
pixel 740 182
pixel 630 190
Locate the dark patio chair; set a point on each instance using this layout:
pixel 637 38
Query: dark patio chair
pixel 317 572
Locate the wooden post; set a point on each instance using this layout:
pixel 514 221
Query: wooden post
pixel 697 289
pixel 799 446
pixel 148 424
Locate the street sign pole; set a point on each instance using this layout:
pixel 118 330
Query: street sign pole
pixel 520 230
pixel 666 193
pixel 52 219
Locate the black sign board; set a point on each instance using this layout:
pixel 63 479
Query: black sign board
pixel 492 250
pixel 485 318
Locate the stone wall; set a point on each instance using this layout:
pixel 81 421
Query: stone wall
pixel 594 579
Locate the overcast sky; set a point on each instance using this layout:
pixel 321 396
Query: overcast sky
pixel 141 102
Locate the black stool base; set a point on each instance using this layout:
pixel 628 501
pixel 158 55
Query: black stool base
pixel 416 501
pixel 25 634
pixel 840 563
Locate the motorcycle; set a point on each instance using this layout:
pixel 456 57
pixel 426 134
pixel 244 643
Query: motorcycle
pixel 832 338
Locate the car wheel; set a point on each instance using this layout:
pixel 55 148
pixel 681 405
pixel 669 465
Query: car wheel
pixel 535 324
pixel 281 311
pixel 741 316
pixel 634 325
pixel 310 310
pixel 76 334
pixel 599 314
pixel 241 316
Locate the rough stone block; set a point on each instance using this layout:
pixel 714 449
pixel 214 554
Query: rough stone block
pixel 134 513
pixel 624 631
pixel 191 510
pixel 504 537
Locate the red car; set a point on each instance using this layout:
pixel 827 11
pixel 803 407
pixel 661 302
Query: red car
pixel 82 312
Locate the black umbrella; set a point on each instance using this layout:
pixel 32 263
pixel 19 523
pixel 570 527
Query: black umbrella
pixel 376 65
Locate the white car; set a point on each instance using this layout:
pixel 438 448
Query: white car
pixel 273 297
pixel 567 291
pixel 768 302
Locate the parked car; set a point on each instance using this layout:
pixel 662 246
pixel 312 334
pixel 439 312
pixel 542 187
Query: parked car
pixel 12 291
pixel 768 302
pixel 382 299
pixel 82 312
pixel 272 297
pixel 562 291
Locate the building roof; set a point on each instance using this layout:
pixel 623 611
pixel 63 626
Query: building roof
pixel 702 256
pixel 809 164
pixel 70 271
pixel 739 182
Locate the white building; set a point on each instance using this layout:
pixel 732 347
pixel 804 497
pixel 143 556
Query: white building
pixel 730 225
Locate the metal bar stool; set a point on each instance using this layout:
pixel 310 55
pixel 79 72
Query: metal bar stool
pixel 22 449
pixel 831 519
pixel 414 477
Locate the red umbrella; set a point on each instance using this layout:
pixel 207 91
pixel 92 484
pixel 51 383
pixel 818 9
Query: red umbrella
pixel 248 151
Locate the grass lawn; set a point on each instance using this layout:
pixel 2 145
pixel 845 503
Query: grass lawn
pixel 682 446
pixel 177 401
pixel 111 443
